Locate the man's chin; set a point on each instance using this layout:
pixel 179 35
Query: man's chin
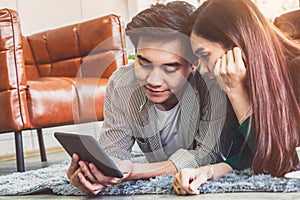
pixel 157 100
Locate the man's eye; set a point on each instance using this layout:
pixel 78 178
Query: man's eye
pixel 170 69
pixel 145 65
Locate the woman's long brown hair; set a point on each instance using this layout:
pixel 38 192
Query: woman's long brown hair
pixel 268 55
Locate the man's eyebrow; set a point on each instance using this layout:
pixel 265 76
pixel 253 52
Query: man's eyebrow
pixel 175 64
pixel 143 59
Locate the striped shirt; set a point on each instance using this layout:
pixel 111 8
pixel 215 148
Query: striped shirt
pixel 130 117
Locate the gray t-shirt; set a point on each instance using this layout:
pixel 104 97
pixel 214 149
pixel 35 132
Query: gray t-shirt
pixel 168 126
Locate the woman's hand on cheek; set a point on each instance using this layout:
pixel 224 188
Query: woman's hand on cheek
pixel 230 70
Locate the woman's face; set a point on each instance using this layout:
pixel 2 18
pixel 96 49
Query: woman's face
pixel 208 52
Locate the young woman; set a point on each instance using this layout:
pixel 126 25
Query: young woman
pixel 259 69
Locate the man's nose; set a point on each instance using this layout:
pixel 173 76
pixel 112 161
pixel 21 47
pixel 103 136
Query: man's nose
pixel 155 77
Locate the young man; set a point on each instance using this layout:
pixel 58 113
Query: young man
pixel 161 102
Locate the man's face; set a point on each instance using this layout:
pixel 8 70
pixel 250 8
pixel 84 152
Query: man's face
pixel 162 71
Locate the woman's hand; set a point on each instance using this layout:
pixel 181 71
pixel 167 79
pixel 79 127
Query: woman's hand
pixel 187 181
pixel 230 71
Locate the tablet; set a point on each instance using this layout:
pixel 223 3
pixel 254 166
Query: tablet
pixel 88 150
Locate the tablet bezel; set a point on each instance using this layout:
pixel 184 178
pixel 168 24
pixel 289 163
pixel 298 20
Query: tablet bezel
pixel 88 150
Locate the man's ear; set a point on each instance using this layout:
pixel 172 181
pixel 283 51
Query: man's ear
pixel 193 68
pixel 196 65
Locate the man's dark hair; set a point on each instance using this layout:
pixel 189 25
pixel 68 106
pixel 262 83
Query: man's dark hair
pixel 162 22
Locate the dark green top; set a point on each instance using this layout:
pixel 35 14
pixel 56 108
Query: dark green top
pixel 241 147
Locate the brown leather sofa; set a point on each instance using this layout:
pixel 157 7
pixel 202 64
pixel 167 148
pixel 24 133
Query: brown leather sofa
pixel 55 77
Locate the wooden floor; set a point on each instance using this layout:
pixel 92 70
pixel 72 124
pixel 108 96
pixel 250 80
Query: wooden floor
pixel 33 162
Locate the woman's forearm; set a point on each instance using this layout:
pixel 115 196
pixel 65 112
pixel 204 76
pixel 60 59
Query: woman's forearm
pixel 218 170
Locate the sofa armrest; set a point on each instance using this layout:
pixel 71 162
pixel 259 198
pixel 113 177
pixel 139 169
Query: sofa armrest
pixel 12 70
pixel 289 24
pixel 13 83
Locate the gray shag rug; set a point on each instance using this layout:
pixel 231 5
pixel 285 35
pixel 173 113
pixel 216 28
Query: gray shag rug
pixel 53 179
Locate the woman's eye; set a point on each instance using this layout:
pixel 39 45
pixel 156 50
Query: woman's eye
pixel 204 56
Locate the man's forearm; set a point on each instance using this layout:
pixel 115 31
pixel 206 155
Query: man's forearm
pixel 148 170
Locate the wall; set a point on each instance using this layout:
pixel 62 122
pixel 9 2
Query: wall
pixel 39 15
